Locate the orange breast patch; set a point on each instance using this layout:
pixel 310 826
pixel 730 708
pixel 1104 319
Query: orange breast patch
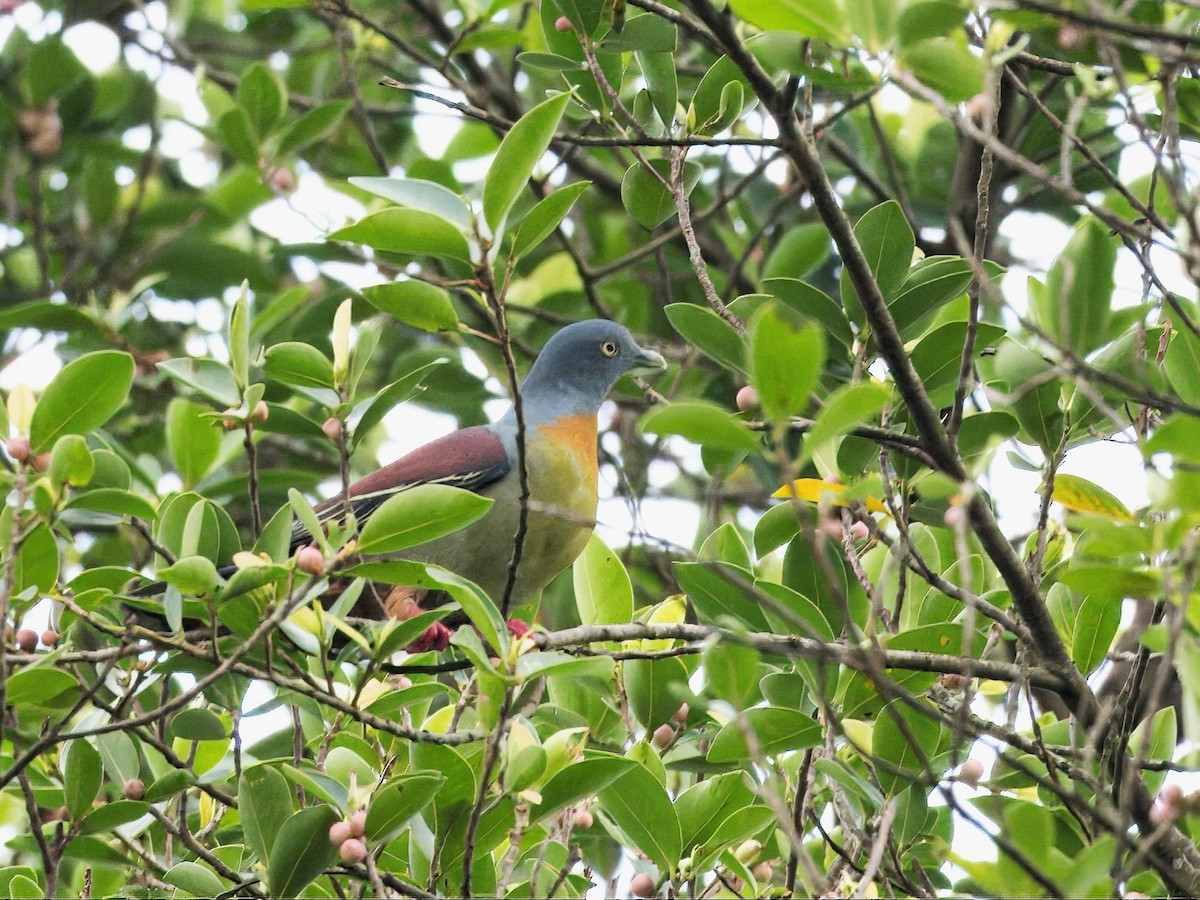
pixel 577 434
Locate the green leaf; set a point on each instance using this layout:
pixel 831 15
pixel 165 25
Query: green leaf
pixel 1096 625
pixel 930 284
pixel 603 592
pixel 71 461
pixel 196 879
pixel 197 724
pixel 731 672
pixel 947 65
pixel 545 216
pixel 120 755
pixel 580 779
pixel 822 20
pixel 115 502
pixel 393 804
pixel 785 362
pixel 37 561
pixel 1182 364
pixel 887 242
pixel 81 397
pixel 312 126
pixel 212 379
pixel 662 81
pixel 237 136
pixel 645 194
pixel 264 804
pixel 261 94
pixel 702 327
pixel 82 776
pixel 191 574
pixel 193 440
pixel 301 851
pixel 656 689
pixel 815 305
pixel 427 196
pixel 112 815
pixel 903 743
pixel 1075 306
pixel 404 230
pixel 701 423
pixel 639 806
pixel 419 514
pixel 715 105
pixel 37 686
pixel 776 730
pixel 416 303
pixel 519 152
pixel 716 596
pixel 299 364
pixel 799 250
pixel 847 407
pixel 399 391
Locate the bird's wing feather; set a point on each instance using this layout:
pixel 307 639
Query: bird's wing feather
pixel 470 459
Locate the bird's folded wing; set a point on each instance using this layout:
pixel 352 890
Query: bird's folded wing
pixel 470 459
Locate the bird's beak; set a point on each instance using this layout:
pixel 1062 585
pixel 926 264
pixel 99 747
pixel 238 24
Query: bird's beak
pixel 647 362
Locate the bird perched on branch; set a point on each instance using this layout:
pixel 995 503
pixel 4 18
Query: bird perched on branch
pixel 559 400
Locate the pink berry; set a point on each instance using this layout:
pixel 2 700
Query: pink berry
pixel 134 789
pixel 680 717
pixel 954 517
pixel 747 398
pixel 339 833
pixel 27 640
pixel 584 819
pixel 436 637
pixel 859 531
pixel 970 772
pixel 762 872
pixel 49 637
pixel 41 462
pixel 642 885
pixel 517 629
pixel 332 428
pixel 353 850
pixel 310 560
pixel 261 412
pixel 562 23
pixel 18 447
pixel 7 7
pixel 358 823
pixel 663 737
pixel 281 180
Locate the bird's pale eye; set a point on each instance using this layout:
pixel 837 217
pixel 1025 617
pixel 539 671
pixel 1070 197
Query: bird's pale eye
pixel 609 348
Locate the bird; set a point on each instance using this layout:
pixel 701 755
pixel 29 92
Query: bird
pixel 560 399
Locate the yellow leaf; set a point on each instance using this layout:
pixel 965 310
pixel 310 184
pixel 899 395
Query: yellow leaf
pixel 813 490
pixel 1083 496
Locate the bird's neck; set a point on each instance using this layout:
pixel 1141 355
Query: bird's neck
pixel 546 399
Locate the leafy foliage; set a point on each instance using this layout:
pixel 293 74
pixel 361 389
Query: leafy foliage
pixel 241 249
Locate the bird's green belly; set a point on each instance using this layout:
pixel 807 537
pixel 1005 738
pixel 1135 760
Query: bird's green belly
pixel 561 517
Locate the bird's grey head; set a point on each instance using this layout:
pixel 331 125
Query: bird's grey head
pixel 579 365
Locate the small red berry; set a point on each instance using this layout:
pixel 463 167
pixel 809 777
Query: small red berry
pixel 332 428
pixel 49 637
pixel 310 560
pixel 584 819
pixel 339 833
pixel 27 640
pixel 970 772
pixel 353 851
pixel 681 714
pixel 134 789
pixel 281 180
pixel 18 447
pixel 358 823
pixel 562 23
pixel 663 737
pixel 747 398
pixel 642 885
pixel 41 462
pixel 261 412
